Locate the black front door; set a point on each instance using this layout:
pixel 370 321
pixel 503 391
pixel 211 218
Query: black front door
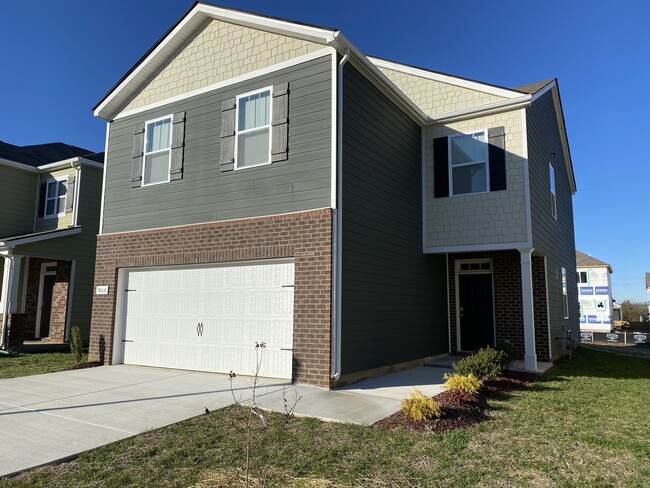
pixel 476 311
pixel 46 305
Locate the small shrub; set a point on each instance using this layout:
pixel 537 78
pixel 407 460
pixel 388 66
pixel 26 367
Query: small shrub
pixel 486 363
pixel 509 355
pixel 420 407
pixel 76 344
pixel 466 384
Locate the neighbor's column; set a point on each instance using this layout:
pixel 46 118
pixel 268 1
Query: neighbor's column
pixel 530 358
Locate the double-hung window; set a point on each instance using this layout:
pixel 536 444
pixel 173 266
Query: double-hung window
pixel 468 158
pixel 551 177
pixel 565 296
pixel 157 151
pixel 253 129
pixel 55 195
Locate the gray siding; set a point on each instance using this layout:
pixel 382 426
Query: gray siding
pixel 552 238
pixel 394 297
pixel 205 194
pixel 17 201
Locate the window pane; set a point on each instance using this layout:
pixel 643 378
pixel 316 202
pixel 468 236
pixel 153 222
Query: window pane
pixel 158 135
pixel 156 168
pixel 51 189
pixel 253 148
pixel 63 188
pixel 254 110
pixel 470 179
pixel 468 148
pixel 60 205
pixel 50 207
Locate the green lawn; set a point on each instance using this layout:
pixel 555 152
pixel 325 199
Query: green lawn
pixel 584 424
pixel 24 364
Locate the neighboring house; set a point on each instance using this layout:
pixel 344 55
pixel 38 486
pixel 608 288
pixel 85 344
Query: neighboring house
pixel 647 289
pixel 266 181
pixel 49 219
pixel 594 293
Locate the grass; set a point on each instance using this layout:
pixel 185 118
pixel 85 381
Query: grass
pixel 583 424
pixel 24 364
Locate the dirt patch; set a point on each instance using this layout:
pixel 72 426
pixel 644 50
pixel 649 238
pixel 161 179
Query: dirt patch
pixel 91 364
pixel 458 413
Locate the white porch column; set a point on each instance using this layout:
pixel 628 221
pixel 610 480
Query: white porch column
pixel 11 279
pixel 530 358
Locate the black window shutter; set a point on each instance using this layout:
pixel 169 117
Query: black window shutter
pixel 280 123
pixel 178 143
pixel 69 197
pixel 228 108
pixel 440 168
pixel 497 155
pixel 138 149
pixel 41 199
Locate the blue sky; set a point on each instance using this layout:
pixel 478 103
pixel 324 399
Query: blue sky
pixel 60 57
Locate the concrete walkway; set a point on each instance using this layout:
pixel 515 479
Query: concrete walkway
pixel 56 416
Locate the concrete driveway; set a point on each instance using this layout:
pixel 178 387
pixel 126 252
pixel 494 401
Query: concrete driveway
pixel 52 417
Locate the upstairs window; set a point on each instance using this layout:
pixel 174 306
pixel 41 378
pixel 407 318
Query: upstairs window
pixel 582 277
pixel 468 158
pixel 55 195
pixel 157 151
pixel 551 177
pixel 253 129
pixel 565 296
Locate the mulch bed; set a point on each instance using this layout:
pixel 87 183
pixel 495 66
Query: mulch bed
pixel 458 413
pixel 91 364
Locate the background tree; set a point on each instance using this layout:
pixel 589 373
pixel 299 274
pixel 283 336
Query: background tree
pixel 633 310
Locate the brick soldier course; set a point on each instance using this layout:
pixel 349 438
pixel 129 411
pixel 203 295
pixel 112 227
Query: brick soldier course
pixel 304 236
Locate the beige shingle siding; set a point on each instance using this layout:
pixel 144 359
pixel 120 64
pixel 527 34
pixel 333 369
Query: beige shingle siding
pixel 219 52
pixel 487 218
pixel 434 97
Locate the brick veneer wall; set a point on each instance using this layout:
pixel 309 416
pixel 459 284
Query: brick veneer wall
pixel 305 236
pixel 508 306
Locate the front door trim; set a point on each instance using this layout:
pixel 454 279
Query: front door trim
pixel 472 266
pixel 44 273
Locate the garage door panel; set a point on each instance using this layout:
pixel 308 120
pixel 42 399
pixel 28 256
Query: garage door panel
pixel 238 305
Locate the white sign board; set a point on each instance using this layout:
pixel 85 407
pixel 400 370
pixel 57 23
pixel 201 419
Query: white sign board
pixel 101 290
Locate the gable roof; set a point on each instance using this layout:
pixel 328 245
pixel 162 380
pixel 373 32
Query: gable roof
pixel 41 154
pixel 586 261
pixel 532 88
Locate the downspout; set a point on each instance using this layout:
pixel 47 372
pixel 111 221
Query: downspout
pixel 338 224
pixel 5 303
pixel 76 165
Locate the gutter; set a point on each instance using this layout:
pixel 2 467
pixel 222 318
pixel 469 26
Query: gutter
pixel 337 254
pixel 5 302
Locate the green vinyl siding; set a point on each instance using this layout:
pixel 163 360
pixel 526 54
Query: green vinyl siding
pixel 17 201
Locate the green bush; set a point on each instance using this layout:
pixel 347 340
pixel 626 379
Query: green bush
pixel 420 407
pixel 486 363
pixel 466 384
pixel 509 354
pixel 76 344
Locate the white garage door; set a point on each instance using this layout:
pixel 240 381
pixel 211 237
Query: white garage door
pixel 209 318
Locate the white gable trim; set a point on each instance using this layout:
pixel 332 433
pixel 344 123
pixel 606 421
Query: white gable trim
pixel 448 79
pixel 327 51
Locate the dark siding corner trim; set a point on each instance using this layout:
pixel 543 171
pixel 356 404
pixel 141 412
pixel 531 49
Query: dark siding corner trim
pixel 497 155
pixel 440 168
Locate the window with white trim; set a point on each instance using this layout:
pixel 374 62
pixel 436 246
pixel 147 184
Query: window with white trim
pixel 55 195
pixel 582 277
pixel 551 179
pixel 253 129
pixel 157 151
pixel 565 297
pixel 468 160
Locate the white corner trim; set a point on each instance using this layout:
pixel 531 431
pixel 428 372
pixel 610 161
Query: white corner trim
pixel 423 135
pixel 77 186
pixel 476 247
pixel 334 131
pixel 528 209
pixel 222 84
pixel 484 109
pixel 103 198
pixel 448 79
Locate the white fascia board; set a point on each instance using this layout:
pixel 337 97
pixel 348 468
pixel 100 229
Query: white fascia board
pixel 69 162
pixel 326 51
pixel 448 79
pixel 379 79
pixel 107 108
pixel 21 166
pixel 476 247
pixel 481 110
pixel 541 92
pixel 29 240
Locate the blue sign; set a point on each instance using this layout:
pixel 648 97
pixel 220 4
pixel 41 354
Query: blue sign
pixel 606 320
pixel 586 290
pixel 593 319
pixel 602 290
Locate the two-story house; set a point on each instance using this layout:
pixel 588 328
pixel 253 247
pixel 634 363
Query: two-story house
pixel 49 219
pixel 266 181
pixel 594 293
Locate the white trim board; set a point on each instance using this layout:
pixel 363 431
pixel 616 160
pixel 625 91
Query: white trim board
pixel 41 237
pixel 481 110
pixel 506 246
pixel 445 78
